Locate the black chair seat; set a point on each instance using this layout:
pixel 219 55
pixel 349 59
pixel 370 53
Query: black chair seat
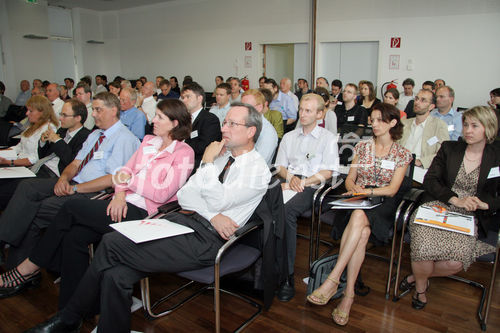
pixel 236 259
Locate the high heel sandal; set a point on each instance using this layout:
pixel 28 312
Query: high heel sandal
pixel 337 313
pixel 406 286
pixel 14 282
pixel 416 303
pixel 323 300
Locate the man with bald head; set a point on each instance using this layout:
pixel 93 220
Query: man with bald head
pixel 131 116
pixel 285 86
pixel 148 103
pixel 25 93
pixel 52 94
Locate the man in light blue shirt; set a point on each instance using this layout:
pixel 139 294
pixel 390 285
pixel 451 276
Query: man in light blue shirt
pixel 222 95
pixel 268 139
pixel 130 116
pixel 36 201
pixel 283 103
pixel 25 93
pixel 445 96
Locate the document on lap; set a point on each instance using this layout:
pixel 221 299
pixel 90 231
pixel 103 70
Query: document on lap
pixel 419 174
pixel 15 172
pixel 287 195
pixel 357 202
pixel 140 231
pixel 438 217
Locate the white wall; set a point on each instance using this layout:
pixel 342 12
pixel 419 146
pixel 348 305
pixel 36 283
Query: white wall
pixel 205 38
pixel 453 39
pixel 456 40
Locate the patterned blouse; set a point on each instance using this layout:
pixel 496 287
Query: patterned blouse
pixel 378 171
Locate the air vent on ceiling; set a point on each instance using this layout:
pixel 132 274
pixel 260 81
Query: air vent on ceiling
pixel 95 41
pixel 32 36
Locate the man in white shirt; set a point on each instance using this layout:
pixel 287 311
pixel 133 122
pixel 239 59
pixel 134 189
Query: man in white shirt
pixel 99 85
pixel 220 197
pixel 84 95
pixel 159 78
pixel 148 103
pixel 268 139
pixel 222 95
pixel 52 94
pixel 69 83
pixel 424 134
pixel 307 156
pixel 285 86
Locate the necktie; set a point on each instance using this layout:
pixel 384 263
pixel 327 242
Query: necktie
pixel 91 153
pixel 223 173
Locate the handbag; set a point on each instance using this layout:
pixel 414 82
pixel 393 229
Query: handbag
pixel 320 269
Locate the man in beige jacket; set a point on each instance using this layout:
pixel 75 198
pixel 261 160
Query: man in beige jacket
pixel 424 134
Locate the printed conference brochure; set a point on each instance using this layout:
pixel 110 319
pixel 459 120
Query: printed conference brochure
pixel 438 217
pixel 356 202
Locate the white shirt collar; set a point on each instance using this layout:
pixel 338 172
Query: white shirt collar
pixel 194 115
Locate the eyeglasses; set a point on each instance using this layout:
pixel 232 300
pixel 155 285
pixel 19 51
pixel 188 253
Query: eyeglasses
pixel 231 124
pixel 64 115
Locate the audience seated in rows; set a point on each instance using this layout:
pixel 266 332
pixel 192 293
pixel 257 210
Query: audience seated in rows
pixel 367 96
pixel 285 88
pixel 84 94
pixel 407 94
pixel 166 91
pixel 24 94
pixel 303 86
pixel 220 197
pixel 151 177
pixel 282 103
pixel 36 201
pixel 130 116
pixel 445 96
pixel 349 112
pixel 273 116
pixel 148 105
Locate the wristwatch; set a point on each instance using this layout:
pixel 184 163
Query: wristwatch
pixel 75 188
pixel 12 163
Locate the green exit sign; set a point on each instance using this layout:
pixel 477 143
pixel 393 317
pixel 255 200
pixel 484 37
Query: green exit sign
pixel 32 1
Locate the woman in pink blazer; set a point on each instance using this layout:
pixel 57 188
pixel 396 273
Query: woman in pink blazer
pixel 151 178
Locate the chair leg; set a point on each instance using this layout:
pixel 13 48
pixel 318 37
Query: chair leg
pixel 396 295
pixel 484 320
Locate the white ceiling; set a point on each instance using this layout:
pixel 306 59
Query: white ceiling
pixel 103 4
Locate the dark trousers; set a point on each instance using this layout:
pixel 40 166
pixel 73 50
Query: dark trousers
pixel 64 246
pixel 31 209
pixel 294 208
pixel 119 263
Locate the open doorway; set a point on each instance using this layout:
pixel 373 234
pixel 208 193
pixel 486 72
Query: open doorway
pixel 286 60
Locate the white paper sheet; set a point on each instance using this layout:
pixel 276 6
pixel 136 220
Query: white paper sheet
pixel 8 154
pixel 445 220
pixel 419 174
pixel 146 230
pixel 287 195
pixel 16 172
pixel 353 204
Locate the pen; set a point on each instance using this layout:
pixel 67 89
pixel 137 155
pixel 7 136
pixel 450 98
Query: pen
pixel 359 193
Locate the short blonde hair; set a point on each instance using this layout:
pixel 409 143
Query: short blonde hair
pixel 311 96
pixel 487 117
pixel 259 97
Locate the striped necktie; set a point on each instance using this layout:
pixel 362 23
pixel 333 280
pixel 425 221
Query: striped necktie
pixel 91 153
pixel 223 173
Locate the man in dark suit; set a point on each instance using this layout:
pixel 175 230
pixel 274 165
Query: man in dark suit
pixel 58 149
pixel 206 126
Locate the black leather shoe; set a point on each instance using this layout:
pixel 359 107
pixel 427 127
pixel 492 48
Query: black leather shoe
pixel 405 286
pixel 16 283
pixel 287 290
pixel 55 325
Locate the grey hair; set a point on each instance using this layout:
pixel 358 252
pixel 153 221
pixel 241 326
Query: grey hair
pixel 126 84
pixel 132 92
pixel 254 118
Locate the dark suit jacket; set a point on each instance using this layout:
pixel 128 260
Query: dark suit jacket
pixel 444 169
pixel 65 151
pixel 207 126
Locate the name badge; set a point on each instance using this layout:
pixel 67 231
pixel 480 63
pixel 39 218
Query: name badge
pixel 98 155
pixel 350 118
pixel 432 141
pixel 149 150
pixel 389 165
pixel 494 172
pixel 194 134
pixel 451 128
